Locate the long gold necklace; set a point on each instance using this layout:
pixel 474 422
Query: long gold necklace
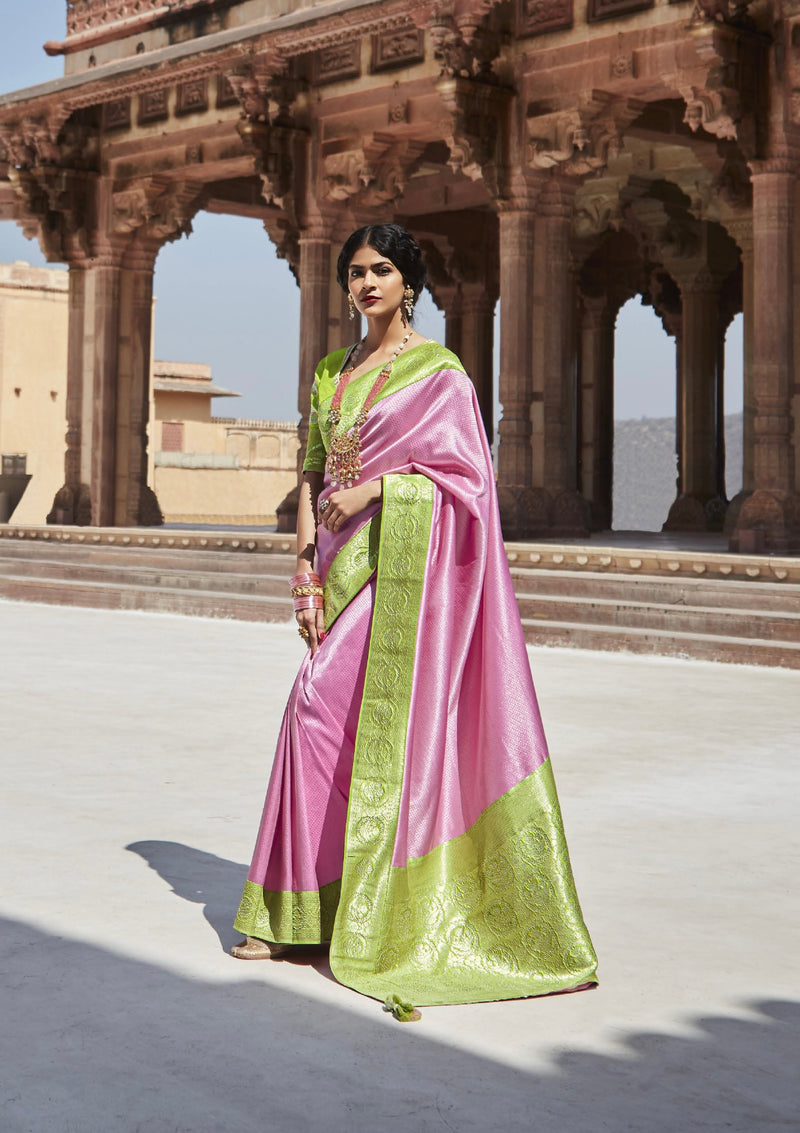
pixel 344 455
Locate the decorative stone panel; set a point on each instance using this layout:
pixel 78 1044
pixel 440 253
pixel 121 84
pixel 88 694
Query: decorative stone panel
pixel 610 9
pixel 339 61
pixel 398 48
pixel 153 106
pixel 226 95
pixel 537 16
pixel 192 96
pixel 117 114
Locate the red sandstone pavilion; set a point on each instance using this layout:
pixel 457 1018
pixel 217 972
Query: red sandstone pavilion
pixel 560 155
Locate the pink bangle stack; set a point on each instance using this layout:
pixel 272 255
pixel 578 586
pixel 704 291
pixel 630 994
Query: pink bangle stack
pixel 307 592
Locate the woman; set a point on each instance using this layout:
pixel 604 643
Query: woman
pixel 411 818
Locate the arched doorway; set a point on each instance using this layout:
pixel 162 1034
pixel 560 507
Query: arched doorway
pixel 644 420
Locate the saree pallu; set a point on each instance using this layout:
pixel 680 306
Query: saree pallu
pixel 412 818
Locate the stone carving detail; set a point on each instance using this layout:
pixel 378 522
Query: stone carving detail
pixel 597 214
pixel 226 95
pixel 397 48
pixel 84 15
pixel 161 209
pixel 398 107
pixel 610 9
pixel 463 45
pixel 622 64
pixel 339 62
pixel 374 173
pixel 716 111
pixel 536 16
pixel 153 105
pixel 192 96
pixel 117 114
pixel 576 148
pixel 266 91
pixel 33 141
pixel 474 129
pixel 720 11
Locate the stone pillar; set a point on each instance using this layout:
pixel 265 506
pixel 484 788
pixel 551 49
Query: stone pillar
pixel 315 286
pixel 773 508
pixel 596 376
pixel 135 503
pixel 476 348
pixel 449 301
pixel 514 473
pixel 88 495
pixel 314 278
pixel 555 383
pixel 699 507
pixel 342 330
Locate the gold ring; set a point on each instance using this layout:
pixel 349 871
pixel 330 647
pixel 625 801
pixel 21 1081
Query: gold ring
pixel 303 633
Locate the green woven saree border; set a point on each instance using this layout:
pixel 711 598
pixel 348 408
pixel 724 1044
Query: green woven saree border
pixel 351 569
pixel 490 914
pixel 292 918
pixel 379 757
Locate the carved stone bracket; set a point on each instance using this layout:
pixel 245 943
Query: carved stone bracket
pixel 580 140
pixel 475 129
pixel 33 142
pixel 266 92
pixel 720 11
pixel 373 173
pixel 464 43
pixel 52 207
pixel 156 209
pixel 717 111
pixel 719 81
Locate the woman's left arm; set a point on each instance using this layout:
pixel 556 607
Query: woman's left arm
pixel 349 502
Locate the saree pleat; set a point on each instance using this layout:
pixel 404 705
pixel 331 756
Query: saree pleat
pixel 412 818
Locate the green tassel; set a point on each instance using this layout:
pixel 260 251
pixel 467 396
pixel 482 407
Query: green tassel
pixel 402 1011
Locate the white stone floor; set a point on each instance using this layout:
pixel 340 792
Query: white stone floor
pixel 135 752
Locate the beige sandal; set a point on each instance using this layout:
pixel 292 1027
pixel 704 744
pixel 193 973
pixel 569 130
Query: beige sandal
pixel 252 948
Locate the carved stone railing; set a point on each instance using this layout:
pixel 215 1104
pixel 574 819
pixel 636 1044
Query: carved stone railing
pixel 89 15
pixel 85 15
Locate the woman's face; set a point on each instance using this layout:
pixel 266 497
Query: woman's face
pixel 375 283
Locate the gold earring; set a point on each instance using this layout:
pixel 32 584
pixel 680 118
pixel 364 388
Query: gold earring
pixel 408 301
pixel 351 306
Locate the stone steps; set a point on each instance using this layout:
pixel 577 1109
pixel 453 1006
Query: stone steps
pixel 188 575
pixel 767 625
pixel 661 589
pixel 713 617
pixel 666 643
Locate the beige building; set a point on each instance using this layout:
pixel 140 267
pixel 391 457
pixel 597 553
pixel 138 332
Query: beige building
pixel 33 384
pixel 208 469
pixel 203 469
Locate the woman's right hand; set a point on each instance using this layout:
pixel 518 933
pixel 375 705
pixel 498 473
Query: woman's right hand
pixel 313 622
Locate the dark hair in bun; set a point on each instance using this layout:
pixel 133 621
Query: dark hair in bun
pixel 392 241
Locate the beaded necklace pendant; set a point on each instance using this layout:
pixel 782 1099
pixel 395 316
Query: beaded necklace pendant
pixel 344 455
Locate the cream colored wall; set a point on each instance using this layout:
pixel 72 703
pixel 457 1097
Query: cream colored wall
pixel 33 361
pixel 221 495
pixel 242 469
pixel 175 406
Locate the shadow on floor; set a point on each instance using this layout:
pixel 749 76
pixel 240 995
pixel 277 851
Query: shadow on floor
pixel 202 878
pixel 216 884
pixel 93 1041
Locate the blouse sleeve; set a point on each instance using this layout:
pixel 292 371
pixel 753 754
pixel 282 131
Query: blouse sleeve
pixel 315 449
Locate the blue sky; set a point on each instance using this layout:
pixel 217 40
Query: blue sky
pixel 224 298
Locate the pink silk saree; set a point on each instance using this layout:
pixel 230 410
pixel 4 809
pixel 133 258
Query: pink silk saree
pixel 411 817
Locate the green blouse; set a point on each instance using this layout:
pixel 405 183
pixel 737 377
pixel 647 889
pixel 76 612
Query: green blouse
pixel 419 362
